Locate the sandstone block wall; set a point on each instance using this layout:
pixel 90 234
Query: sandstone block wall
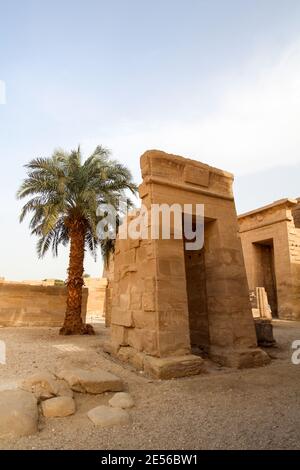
pixel 44 305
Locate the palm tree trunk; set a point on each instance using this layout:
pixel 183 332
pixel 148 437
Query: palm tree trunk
pixel 73 324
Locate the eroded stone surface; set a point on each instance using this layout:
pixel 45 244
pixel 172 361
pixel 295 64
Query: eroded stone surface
pixel 104 416
pixel 42 303
pixel 63 389
pixel 18 414
pixel 58 407
pixel 91 381
pixel 169 367
pixel 44 385
pixel 121 400
pixel 240 358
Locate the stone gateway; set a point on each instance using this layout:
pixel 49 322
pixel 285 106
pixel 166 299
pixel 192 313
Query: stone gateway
pixel 270 239
pixel 171 307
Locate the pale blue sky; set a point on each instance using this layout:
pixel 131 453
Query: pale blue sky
pixel 218 81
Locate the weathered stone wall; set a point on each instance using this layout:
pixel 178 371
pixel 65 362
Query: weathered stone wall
pixel 39 305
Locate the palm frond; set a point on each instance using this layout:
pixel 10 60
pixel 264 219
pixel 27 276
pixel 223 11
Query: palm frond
pixel 63 188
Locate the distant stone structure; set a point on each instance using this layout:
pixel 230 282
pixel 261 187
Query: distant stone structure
pixel 42 303
pixel 96 299
pixel 259 303
pixel 270 239
pixel 167 302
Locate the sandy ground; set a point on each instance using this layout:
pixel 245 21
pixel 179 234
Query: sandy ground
pixel 223 409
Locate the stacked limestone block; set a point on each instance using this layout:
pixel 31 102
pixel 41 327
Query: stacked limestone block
pixel 133 318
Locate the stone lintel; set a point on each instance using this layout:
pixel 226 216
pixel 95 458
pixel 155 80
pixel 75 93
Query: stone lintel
pixel 182 186
pixel 152 155
pixel 266 224
pixel 285 203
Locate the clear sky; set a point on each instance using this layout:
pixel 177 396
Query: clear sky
pixel 215 80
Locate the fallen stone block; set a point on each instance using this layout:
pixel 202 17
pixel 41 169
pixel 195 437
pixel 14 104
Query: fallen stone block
pixel 58 407
pixel 104 416
pixel 42 384
pixel 173 367
pixel 91 381
pixel 18 414
pixel 63 389
pixel 121 400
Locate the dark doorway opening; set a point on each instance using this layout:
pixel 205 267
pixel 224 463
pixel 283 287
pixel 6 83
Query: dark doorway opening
pixel 197 299
pixel 264 253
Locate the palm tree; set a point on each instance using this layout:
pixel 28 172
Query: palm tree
pixel 65 193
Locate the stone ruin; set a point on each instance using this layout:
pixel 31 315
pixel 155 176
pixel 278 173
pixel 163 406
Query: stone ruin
pixel 262 315
pixel 260 304
pixel 170 307
pixel 270 239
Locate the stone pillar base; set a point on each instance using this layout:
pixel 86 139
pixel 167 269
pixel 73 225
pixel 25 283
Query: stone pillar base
pixel 158 367
pixel 173 367
pixel 264 332
pixel 182 366
pixel 239 358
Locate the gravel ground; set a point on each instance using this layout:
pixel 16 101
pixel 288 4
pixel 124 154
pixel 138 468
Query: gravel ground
pixel 222 409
